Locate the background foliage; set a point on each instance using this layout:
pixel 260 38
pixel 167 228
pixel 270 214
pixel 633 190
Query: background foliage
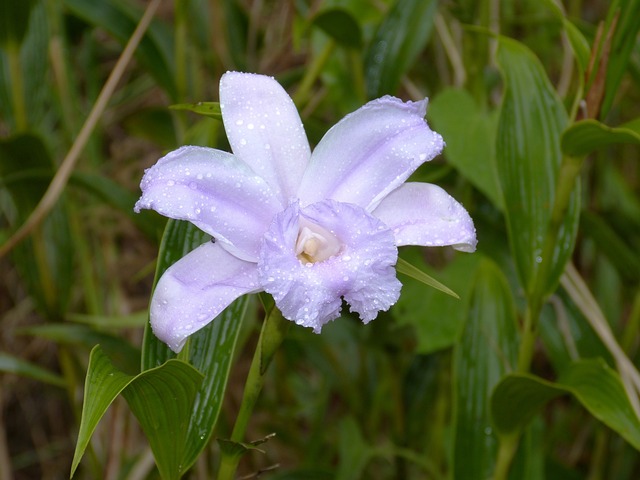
pixel 531 372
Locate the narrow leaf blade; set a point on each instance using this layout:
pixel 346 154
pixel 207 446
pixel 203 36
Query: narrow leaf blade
pixel 528 160
pixel 485 353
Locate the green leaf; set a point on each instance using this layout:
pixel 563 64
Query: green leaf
pixel 120 198
pixel 437 319
pixel 623 45
pixel 402 35
pixel 122 352
pixel 528 159
pixel 354 452
pixel 518 397
pixel 208 109
pixel 405 267
pixel 487 350
pixel 585 136
pixel 470 135
pixel 45 259
pixel 340 25
pixel 120 18
pixel 161 399
pixel 579 44
pixel 14 21
pixel 210 350
pixel 16 366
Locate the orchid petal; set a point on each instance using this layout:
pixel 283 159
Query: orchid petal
pixel 216 192
pixel 196 289
pixel 424 214
pixel 369 153
pixel 265 130
pixel 362 273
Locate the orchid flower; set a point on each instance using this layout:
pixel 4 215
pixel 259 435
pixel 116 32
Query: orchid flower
pixel 311 229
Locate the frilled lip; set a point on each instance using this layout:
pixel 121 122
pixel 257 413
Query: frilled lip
pixel 364 160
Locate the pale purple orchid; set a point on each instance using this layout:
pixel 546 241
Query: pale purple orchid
pixel 309 229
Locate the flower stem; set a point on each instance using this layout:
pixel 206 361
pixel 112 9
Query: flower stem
pixel 272 334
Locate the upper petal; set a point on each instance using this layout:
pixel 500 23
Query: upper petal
pixel 369 153
pixel 424 214
pixel 265 130
pixel 216 192
pixel 196 289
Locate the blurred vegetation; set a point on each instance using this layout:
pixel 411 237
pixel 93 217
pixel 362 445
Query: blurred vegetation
pixel 409 395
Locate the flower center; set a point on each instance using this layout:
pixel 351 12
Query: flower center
pixel 315 244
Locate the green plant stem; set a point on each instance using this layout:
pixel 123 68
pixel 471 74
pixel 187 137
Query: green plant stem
pixel 272 334
pixel 17 91
pixel 569 171
pixel 506 452
pixel 312 73
pixel 529 335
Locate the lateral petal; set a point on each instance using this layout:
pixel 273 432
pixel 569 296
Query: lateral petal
pixel 424 214
pixel 216 192
pixel 369 153
pixel 196 289
pixel 265 130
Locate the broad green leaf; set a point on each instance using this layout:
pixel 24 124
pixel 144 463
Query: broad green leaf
pixel 208 109
pixel 470 136
pixel 210 350
pixel 528 160
pixel 120 18
pixel 585 136
pixel 16 366
pixel 487 350
pixel 14 21
pixel 529 462
pixel 594 384
pixel 340 25
pixel 398 41
pixel 160 398
pixel 437 319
